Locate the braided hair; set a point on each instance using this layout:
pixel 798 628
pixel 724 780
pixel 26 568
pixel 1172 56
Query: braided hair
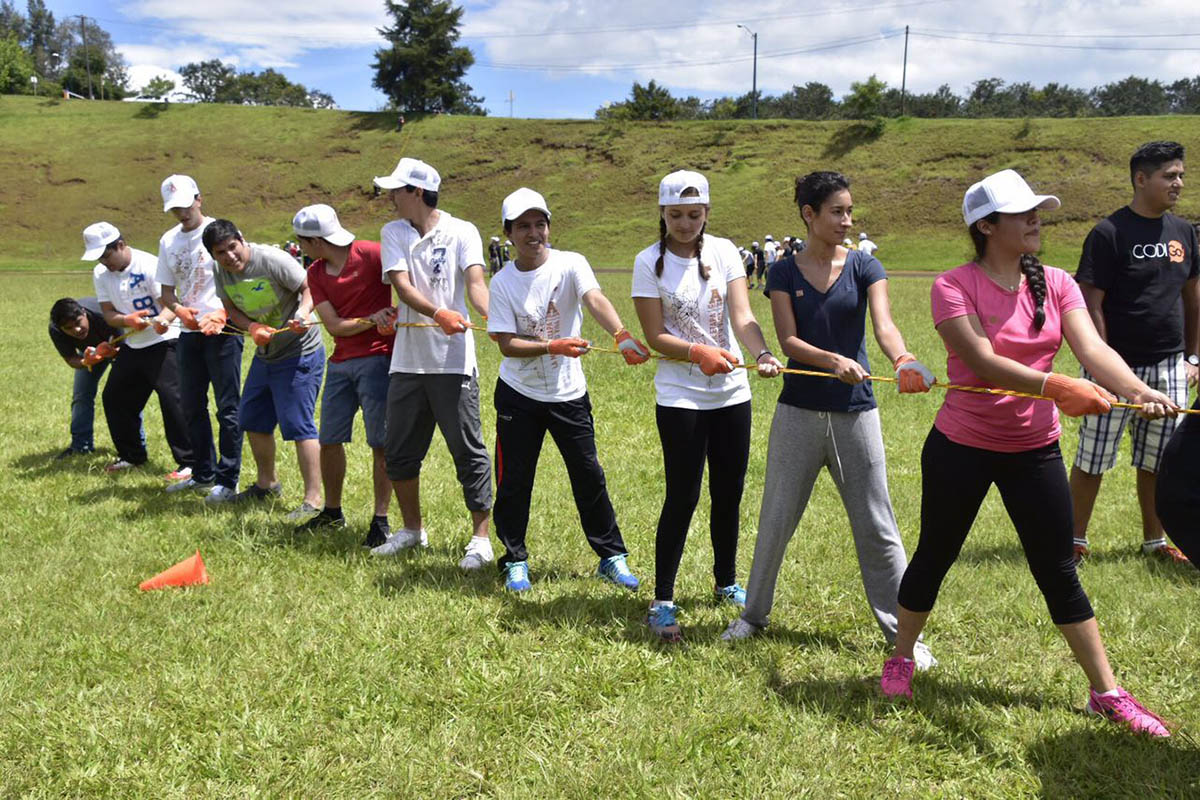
pixel 1031 268
pixel 662 244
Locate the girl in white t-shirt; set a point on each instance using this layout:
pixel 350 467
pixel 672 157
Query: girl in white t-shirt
pixel 535 314
pixel 689 290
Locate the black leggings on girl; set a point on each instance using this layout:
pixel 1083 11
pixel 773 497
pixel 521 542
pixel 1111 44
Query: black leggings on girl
pixel 1177 489
pixel 689 437
pixel 1033 485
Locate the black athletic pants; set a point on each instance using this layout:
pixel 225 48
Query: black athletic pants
pixel 134 375
pixel 1177 487
pixel 689 438
pixel 1033 486
pixel 521 425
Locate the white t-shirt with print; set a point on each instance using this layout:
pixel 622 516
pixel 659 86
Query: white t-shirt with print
pixel 546 303
pixel 183 262
pixel 436 263
pixel 867 246
pixel 695 310
pixel 133 289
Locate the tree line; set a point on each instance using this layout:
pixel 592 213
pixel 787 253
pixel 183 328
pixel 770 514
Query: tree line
pixel 873 98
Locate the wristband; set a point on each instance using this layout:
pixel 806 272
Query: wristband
pixel 765 352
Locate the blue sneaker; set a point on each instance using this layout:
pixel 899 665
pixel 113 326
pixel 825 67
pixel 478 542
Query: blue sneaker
pixel 661 620
pixel 614 570
pixel 732 594
pixel 516 576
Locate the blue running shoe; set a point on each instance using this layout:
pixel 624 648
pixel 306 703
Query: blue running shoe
pixel 516 576
pixel 614 570
pixel 661 620
pixel 732 594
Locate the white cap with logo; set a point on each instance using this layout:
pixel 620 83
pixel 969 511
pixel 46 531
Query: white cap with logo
pixel 96 238
pixel 411 172
pixel 178 191
pixel 672 187
pixel 321 221
pixel 520 201
pixel 1006 192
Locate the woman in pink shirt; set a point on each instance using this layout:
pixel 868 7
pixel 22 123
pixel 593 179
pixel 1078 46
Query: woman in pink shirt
pixel 1003 318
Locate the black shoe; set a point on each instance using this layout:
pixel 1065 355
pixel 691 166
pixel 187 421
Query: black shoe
pixel 378 532
pixel 74 451
pixel 256 492
pixel 323 519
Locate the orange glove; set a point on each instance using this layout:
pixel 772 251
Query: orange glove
pixel 160 327
pixel 297 325
pixel 570 347
pixel 136 320
pixel 187 317
pixel 261 334
pixel 91 358
pixel 451 322
pixel 106 350
pixel 633 351
pixel 211 323
pixel 388 327
pixel 1076 397
pixel 711 359
pixel 912 376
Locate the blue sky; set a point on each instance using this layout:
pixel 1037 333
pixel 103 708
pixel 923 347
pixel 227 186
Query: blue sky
pixel 565 58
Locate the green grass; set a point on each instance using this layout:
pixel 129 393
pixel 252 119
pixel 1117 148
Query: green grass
pixel 69 164
pixel 307 669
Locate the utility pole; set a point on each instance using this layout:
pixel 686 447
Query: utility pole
pixel 754 74
pixel 904 73
pixel 87 60
pixel 511 98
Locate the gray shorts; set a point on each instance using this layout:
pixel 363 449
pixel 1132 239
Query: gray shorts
pixel 349 386
pixel 415 402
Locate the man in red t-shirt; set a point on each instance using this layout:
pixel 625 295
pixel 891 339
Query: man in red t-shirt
pixel 354 303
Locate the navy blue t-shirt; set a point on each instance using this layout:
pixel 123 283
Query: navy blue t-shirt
pixel 833 321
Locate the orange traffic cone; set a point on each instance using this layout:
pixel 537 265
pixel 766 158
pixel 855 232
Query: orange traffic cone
pixel 188 572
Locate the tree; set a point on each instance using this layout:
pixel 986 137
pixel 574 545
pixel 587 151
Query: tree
pixel 811 101
pixel 39 30
pixel 1131 96
pixel 82 45
pixel 422 68
pixel 15 67
pixel 158 86
pixel 1185 96
pixel 206 79
pixel 865 100
pixel 12 22
pixel 942 103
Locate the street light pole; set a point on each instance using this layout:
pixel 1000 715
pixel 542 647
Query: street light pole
pixel 754 78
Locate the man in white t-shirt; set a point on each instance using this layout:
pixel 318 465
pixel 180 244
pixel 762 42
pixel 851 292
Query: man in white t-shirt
pixel 770 249
pixel 185 272
pixel 435 263
pixel 866 245
pixel 146 362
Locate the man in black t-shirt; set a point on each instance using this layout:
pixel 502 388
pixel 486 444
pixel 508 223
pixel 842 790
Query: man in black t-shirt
pixel 1140 275
pixel 76 327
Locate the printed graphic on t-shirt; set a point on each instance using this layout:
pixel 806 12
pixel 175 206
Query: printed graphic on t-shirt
pixel 683 312
pixel 194 275
pixel 545 326
pixel 438 279
pixel 1173 250
pixel 255 297
pixel 131 288
pixel 716 318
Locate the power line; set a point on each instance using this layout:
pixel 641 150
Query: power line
pixel 1046 46
pixel 1065 35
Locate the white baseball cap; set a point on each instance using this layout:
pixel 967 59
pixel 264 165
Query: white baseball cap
pixel 769 239
pixel 754 244
pixel 1006 192
pixel 411 172
pixel 862 236
pixel 178 191
pixel 495 238
pixel 321 221
pixel 520 201
pixel 672 187
pixel 96 238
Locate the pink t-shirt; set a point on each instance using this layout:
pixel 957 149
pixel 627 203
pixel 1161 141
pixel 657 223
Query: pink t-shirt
pixel 994 422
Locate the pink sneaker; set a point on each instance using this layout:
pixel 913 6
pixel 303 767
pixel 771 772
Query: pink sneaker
pixel 1124 709
pixel 897 677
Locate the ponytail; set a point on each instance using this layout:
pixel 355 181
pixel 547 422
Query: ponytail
pixel 1035 276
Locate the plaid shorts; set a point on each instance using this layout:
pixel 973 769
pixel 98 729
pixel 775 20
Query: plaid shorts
pixel 1100 434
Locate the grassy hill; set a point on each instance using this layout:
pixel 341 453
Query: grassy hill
pixel 67 164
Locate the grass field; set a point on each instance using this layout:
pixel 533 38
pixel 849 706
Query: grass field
pixel 307 669
pixel 73 163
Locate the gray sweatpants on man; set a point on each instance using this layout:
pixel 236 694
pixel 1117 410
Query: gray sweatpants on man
pixel 851 446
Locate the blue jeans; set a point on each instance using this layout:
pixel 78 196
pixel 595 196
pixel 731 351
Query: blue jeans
pixel 283 393
pixel 216 360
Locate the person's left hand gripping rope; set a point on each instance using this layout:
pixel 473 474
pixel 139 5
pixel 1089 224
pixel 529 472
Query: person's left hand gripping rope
pixel 161 326
pixel 261 334
pixel 187 317
pixel 912 376
pixel 451 322
pixel 136 320
pixel 213 322
pixel 633 351
pixel 297 325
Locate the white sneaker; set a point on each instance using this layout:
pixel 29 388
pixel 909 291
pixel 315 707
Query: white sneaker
pixel 306 510
pixel 188 484
pixel 402 539
pixel 220 494
pixel 923 657
pixel 479 552
pixel 739 629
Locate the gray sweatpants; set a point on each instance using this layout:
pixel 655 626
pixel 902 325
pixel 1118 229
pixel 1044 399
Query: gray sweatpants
pixel 851 446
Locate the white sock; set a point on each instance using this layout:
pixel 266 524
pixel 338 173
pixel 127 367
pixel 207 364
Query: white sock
pixel 1154 544
pixel 1110 692
pixel 657 603
pixel 1080 542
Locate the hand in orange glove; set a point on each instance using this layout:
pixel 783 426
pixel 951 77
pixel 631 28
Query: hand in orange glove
pixel 91 358
pixel 261 334
pixel 1075 396
pixel 385 321
pixel 187 317
pixel 297 325
pixel 136 320
pixel 211 323
pixel 631 349
pixel 912 376
pixel 451 322
pixel 712 360
pixel 160 325
pixel 106 350
pixel 571 347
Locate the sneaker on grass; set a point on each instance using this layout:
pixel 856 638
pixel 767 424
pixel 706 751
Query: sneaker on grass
pixel 740 629
pixel 322 519
pixel 305 510
pixel 1165 552
pixel 732 594
pixel 923 657
pixel 256 493
pixel 221 494
pixel 403 539
pixel 478 553
pixel 615 570
pixel 516 576
pixel 189 484
pixel 662 622
pixel 180 474
pixel 897 677
pixel 377 533
pixel 74 451
pixel 1081 549
pixel 119 465
pixel 1123 709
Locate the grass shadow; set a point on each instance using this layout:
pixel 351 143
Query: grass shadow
pixel 32 465
pixel 1109 762
pixel 580 609
pixel 1009 552
pixel 377 120
pixel 852 136
pixel 151 110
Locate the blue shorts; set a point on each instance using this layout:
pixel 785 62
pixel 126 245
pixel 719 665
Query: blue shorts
pixel 349 386
pixel 282 393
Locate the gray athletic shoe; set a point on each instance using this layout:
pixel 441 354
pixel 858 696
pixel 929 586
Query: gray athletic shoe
pixel 740 629
pixel 189 484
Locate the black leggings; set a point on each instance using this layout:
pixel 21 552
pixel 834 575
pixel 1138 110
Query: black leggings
pixel 1177 488
pixel 689 436
pixel 1033 485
